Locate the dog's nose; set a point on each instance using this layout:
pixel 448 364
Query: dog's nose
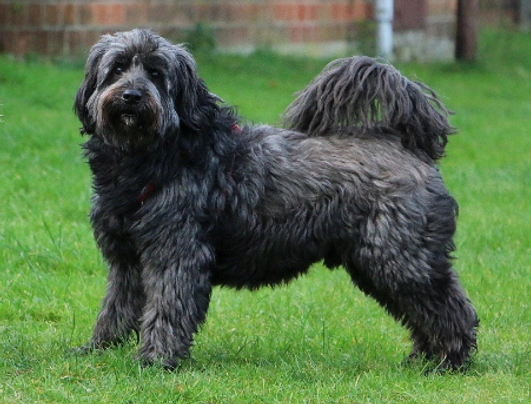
pixel 132 96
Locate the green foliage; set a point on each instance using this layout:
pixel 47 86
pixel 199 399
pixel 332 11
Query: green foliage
pixel 362 37
pixel 201 38
pixel 318 340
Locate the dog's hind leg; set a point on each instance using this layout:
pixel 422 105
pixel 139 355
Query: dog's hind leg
pixel 444 322
pixel 412 277
pixel 440 318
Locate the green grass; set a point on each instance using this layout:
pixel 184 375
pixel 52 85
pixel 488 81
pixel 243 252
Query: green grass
pixel 316 340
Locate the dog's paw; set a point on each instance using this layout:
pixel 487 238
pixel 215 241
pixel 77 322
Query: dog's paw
pixel 431 365
pixel 93 346
pixel 86 349
pixel 153 359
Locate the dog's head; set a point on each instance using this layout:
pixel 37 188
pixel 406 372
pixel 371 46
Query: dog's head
pixel 139 87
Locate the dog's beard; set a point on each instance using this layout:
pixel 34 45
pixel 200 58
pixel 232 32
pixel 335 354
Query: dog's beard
pixel 131 120
pixel 130 127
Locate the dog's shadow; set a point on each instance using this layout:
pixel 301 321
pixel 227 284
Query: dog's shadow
pixel 259 354
pixel 295 358
pixel 343 358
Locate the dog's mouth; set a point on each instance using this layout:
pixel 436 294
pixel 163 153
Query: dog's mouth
pixel 130 119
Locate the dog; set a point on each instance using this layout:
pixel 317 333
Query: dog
pixel 187 198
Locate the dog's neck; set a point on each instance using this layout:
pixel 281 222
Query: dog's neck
pixel 151 187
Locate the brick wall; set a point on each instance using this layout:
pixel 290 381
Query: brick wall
pixel 66 27
pixel 70 26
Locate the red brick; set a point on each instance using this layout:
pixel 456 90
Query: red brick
pixel 77 42
pixel 237 12
pixel 360 11
pixel 160 13
pixel 257 12
pixel 137 14
pixel 334 32
pixel 22 43
pixel 243 12
pixel 15 14
pixel 91 37
pixel 301 11
pixel 340 12
pixel 233 35
pixel 6 38
pixel 171 14
pixel 69 14
pixel 200 12
pixel 265 35
pixel 40 43
pixel 3 15
pixel 55 41
pixel 285 12
pixel 85 14
pixel 34 15
pixel 215 13
pixel 311 33
pixel 108 14
pixel 97 12
pixel 117 13
pixel 296 34
pixel 307 12
pixel 52 16
pixel 439 7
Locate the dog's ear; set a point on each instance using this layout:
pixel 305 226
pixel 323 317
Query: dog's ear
pixel 89 85
pixel 195 105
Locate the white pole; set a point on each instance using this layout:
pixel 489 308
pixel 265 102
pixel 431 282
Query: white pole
pixel 384 20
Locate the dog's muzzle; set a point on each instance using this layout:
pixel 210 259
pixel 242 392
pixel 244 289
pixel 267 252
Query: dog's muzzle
pixel 131 114
pixel 131 110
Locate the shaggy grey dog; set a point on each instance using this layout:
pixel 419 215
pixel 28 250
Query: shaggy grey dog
pixel 185 198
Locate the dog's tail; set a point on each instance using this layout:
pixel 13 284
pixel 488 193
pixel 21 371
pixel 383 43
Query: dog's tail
pixel 364 93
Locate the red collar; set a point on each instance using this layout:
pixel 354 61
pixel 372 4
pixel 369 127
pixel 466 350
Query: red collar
pixel 236 128
pixel 148 190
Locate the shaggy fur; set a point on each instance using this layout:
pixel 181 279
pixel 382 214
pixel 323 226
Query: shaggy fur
pixel 185 199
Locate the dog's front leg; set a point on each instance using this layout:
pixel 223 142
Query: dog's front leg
pixel 121 308
pixel 177 284
pixel 124 300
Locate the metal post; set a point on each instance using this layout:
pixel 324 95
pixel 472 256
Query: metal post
pixel 525 15
pixel 384 20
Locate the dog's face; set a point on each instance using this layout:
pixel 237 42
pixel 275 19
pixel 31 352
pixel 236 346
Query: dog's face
pixel 138 87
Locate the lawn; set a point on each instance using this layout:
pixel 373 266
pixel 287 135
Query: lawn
pixel 317 340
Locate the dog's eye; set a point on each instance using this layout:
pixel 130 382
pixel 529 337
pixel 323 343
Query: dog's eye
pixel 154 73
pixel 118 70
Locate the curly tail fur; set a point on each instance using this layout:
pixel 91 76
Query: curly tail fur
pixel 361 92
